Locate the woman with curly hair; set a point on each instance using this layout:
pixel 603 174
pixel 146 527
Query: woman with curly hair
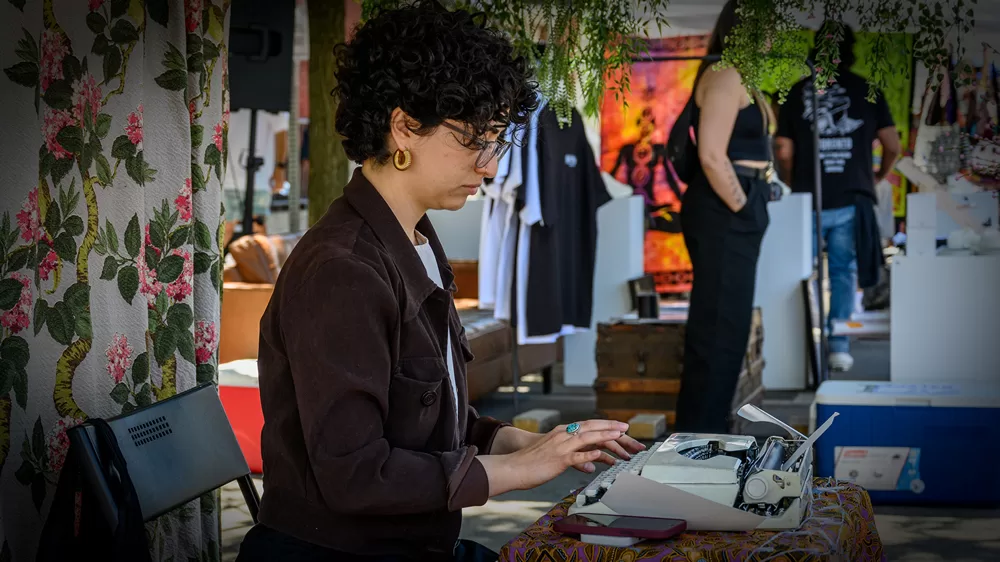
pixel 370 446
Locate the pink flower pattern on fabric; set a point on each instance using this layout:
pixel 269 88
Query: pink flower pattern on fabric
pixel 28 219
pixel 53 121
pixel 206 341
pixel 86 96
pixel 181 288
pixel 49 263
pixel 217 136
pixel 183 201
pixel 192 15
pixel 119 355
pixel 54 50
pixel 58 443
pixel 134 127
pixel 79 76
pixel 148 285
pixel 19 317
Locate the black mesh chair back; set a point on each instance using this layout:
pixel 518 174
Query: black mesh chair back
pixel 175 450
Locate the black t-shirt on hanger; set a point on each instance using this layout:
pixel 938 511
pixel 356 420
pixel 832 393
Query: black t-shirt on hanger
pixel 563 248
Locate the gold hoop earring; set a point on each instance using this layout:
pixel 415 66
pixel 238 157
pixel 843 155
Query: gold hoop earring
pixel 401 159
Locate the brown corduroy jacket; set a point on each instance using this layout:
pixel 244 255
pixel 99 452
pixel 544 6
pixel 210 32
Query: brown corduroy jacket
pixel 361 448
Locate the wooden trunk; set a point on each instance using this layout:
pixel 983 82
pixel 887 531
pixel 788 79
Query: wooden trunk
pixel 639 366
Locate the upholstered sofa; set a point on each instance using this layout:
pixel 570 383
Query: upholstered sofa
pixel 252 266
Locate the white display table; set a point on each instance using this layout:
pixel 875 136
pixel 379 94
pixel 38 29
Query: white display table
pixel 785 261
pixel 945 318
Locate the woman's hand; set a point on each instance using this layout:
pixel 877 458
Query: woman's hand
pixel 623 447
pixel 511 439
pixel 550 455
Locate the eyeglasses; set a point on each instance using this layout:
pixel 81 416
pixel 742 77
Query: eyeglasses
pixel 488 150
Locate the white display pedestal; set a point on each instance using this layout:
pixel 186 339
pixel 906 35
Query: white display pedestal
pixel 945 319
pixel 620 237
pixel 785 260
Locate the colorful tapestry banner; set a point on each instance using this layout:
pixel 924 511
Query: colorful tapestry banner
pixel 634 131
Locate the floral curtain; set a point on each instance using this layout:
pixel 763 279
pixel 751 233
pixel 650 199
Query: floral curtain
pixel 115 116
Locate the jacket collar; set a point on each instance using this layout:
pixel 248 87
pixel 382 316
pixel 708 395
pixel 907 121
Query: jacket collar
pixel 366 200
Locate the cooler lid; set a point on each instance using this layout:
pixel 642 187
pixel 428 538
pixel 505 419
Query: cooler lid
pixel 883 393
pixel 240 373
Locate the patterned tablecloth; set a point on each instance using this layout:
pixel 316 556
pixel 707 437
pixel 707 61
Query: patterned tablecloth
pixel 839 525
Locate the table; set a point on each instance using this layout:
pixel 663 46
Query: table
pixel 839 525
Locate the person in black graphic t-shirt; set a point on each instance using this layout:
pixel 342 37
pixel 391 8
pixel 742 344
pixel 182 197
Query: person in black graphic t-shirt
pixel 848 126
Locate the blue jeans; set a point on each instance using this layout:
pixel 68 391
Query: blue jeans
pixel 838 239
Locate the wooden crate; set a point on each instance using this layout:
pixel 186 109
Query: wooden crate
pixel 640 350
pixel 623 406
pixel 466 278
pixel 639 366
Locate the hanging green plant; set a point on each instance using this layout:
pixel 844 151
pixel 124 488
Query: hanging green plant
pixel 938 27
pixel 586 41
pixel 589 41
pixel 767 46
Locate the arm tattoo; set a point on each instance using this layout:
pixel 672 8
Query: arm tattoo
pixel 739 197
pixel 722 177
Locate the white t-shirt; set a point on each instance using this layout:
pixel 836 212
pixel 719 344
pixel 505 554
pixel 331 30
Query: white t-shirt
pixel 429 260
pixel 235 179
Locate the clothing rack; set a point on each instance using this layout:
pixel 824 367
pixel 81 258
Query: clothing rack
pixel 817 194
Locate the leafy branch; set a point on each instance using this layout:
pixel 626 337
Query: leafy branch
pixel 115 38
pixel 587 42
pixel 590 44
pixel 34 470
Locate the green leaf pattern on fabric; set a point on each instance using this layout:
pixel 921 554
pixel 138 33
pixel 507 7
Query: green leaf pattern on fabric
pixel 109 291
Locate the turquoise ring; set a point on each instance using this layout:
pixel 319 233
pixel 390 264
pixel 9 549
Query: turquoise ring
pixel 572 428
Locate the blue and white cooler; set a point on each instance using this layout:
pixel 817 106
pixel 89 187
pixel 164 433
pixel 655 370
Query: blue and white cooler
pixel 912 443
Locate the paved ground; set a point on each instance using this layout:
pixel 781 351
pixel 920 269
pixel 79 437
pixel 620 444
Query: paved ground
pixel 909 534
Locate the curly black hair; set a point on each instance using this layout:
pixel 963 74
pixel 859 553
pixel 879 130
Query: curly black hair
pixel 434 64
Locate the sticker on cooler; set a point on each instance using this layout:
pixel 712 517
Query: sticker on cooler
pixel 913 389
pixel 880 468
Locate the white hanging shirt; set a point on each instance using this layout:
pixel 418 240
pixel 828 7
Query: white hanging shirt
pixel 505 217
pixel 496 213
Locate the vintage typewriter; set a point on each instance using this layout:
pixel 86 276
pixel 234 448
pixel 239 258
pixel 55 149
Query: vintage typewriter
pixel 772 479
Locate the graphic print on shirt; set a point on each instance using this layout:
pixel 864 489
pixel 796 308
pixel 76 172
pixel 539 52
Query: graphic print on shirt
pixel 835 126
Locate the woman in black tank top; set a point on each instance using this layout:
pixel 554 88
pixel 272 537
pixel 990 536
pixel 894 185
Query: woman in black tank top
pixel 723 217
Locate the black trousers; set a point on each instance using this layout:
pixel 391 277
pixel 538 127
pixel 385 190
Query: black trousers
pixel 264 544
pixel 724 247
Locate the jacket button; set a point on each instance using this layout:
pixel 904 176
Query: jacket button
pixel 428 398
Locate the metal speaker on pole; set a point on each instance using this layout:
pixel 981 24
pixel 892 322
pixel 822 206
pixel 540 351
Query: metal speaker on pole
pixel 261 41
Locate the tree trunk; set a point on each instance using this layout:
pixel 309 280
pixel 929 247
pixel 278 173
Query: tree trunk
pixel 328 164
